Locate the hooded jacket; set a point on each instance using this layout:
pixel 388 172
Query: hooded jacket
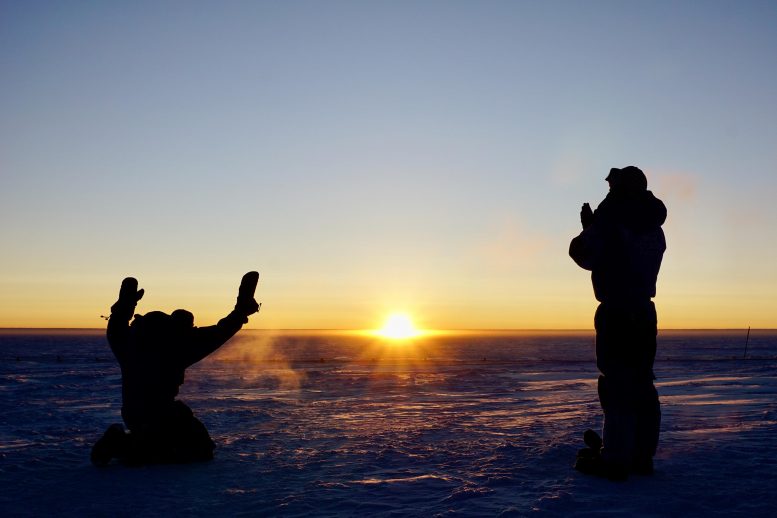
pixel 623 247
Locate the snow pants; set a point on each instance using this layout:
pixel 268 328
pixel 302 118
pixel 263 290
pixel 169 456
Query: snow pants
pixel 625 352
pixel 175 436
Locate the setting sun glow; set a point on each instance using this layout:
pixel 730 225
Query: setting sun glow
pixel 398 326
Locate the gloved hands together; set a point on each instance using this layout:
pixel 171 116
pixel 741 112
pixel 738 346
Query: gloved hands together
pixel 246 303
pixel 586 216
pixel 129 295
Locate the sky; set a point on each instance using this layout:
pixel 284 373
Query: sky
pixel 429 157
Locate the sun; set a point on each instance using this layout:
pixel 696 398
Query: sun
pixel 398 326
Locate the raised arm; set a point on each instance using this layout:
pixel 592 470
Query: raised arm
pixel 205 340
pixel 121 313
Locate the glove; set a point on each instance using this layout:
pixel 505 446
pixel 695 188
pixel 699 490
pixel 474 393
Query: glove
pixel 586 216
pixel 129 295
pixel 246 303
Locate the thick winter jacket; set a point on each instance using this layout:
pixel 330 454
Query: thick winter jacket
pixel 623 247
pixel 155 351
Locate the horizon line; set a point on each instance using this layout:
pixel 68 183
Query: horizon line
pixel 450 330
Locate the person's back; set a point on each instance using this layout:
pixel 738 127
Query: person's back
pixel 635 248
pixel 151 368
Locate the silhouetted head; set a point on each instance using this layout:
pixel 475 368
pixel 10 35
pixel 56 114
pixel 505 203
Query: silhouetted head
pixel 182 319
pixel 157 327
pixel 629 180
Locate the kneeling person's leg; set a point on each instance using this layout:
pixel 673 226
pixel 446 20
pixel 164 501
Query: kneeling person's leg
pixel 193 443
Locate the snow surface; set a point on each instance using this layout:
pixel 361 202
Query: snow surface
pixel 339 425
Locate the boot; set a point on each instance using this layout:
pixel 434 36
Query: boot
pixel 109 446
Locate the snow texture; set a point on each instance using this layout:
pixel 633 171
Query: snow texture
pixel 343 425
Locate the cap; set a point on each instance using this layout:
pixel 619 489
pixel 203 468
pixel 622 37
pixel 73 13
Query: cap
pixel 630 177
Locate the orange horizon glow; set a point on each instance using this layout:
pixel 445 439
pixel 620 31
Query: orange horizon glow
pixel 78 304
pixel 371 332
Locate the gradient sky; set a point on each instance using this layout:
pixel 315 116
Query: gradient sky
pixel 367 157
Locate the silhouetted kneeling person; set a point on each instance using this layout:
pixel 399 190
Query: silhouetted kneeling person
pixel 622 243
pixel 153 353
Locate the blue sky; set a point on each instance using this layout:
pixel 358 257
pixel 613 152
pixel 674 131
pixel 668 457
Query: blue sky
pixel 373 156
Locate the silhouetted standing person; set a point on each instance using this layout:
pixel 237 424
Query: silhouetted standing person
pixel 622 244
pixel 153 353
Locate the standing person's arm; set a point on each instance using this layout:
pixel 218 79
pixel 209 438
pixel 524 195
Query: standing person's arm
pixel 585 249
pixel 205 340
pixel 121 313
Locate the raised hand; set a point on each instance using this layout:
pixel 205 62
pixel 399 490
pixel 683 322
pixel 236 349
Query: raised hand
pixel 246 303
pixel 129 290
pixel 129 295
